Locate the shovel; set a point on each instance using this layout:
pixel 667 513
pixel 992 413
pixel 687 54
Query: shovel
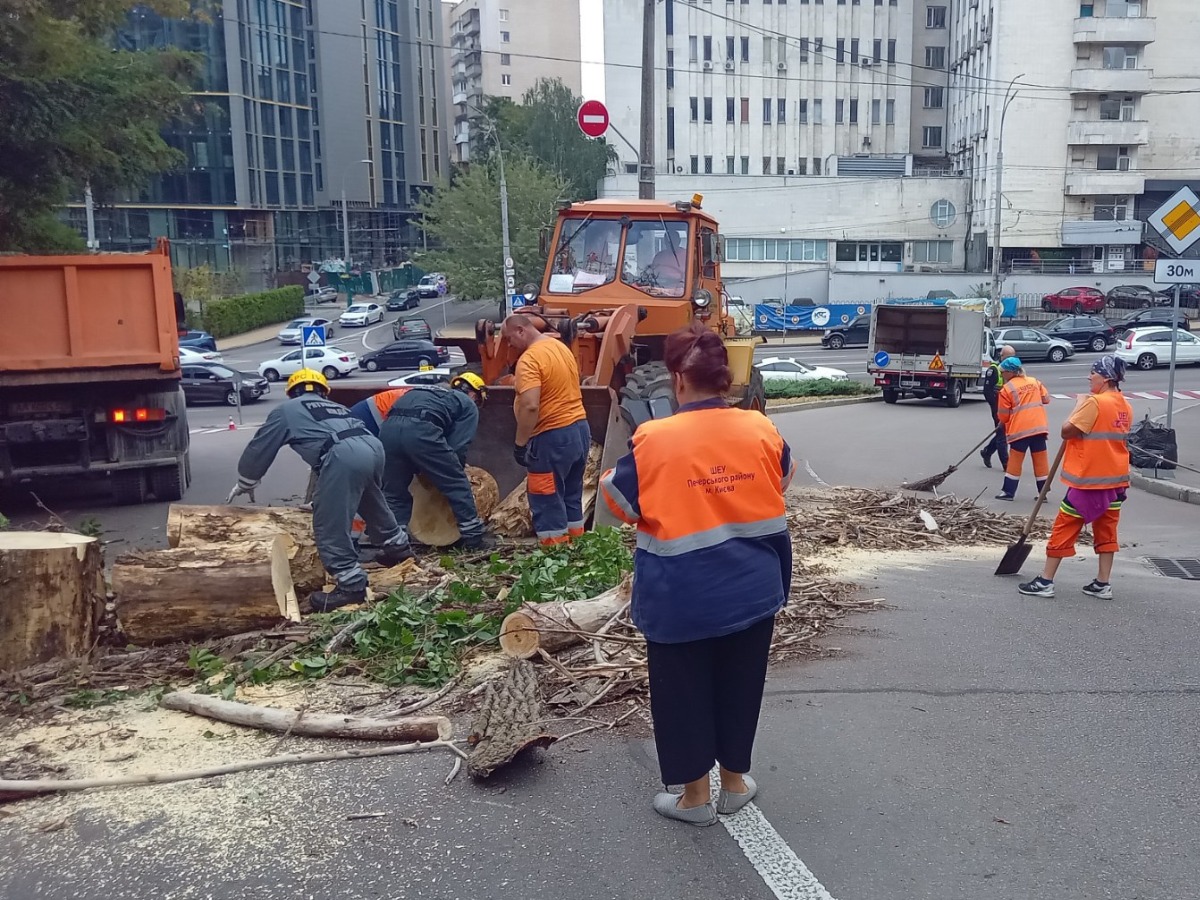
pixel 1016 554
pixel 933 481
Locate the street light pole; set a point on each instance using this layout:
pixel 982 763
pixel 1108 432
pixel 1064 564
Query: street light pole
pixel 346 214
pixel 510 274
pixel 1009 96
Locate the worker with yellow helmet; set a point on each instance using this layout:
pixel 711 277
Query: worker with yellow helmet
pixel 427 432
pixel 349 462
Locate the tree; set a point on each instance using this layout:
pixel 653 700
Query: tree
pixel 77 112
pixel 464 217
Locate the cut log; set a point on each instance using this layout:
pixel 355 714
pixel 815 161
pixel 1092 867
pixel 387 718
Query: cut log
pixel 555 625
pixel 51 596
pixel 208 526
pixel 591 480
pixel 310 724
pixel 432 521
pixel 187 594
pixel 509 721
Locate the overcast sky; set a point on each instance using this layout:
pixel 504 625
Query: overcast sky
pixel 591 42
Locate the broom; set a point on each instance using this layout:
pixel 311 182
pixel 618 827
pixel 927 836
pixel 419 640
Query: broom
pixel 933 481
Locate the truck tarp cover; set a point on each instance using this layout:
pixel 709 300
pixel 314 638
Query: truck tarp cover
pixel 903 332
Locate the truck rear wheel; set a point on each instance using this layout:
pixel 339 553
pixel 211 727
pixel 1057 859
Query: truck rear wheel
pixel 129 487
pixel 168 483
pixel 954 394
pixel 647 394
pixel 890 395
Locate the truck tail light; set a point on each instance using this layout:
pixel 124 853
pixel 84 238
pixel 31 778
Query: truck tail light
pixel 136 414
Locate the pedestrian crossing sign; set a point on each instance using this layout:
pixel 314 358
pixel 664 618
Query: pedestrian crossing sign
pixel 936 365
pixel 313 335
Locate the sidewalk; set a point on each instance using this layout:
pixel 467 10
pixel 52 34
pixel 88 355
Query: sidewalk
pixel 1178 484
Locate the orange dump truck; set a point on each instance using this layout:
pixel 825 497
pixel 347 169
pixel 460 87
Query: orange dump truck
pixel 89 373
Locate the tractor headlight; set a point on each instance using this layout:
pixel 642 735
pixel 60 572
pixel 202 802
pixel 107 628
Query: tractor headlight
pixel 702 299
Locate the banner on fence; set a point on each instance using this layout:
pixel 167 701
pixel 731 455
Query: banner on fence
pixel 814 318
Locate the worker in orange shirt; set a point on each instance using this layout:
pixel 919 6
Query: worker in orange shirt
pixel 553 437
pixel 1021 408
pixel 1096 473
pixel 372 411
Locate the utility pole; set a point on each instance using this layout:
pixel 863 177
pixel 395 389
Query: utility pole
pixel 345 228
pixel 510 274
pixel 646 166
pixel 995 298
pixel 90 206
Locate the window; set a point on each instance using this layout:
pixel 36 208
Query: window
pixel 708 109
pixel 816 117
pixel 931 137
pixel 877 51
pixel 891 55
pixel 728 109
pixel 802 166
pixel 745 49
pixel 707 48
pixel 671 129
pixel 875 112
pixel 840 53
pixel 708 165
pixel 766 111
pixel 819 50
pixel 935 17
pixel 506 80
pixel 745 117
pixel 768 49
pixel 504 15
pixel 869 252
pixel 505 59
pixel 853 51
pixel 1120 57
pixel 803 49
pixel 729 43
pixel 935 57
pixel 766 165
pixel 670 69
pixel 839 111
pixel 934 97
pixel 694 107
pixel 942 213
pixel 1110 209
pixel 780 165
pixel 1116 109
pixel 816 167
pixel 781 111
pixel 505 37
pixel 750 249
pixel 1086 10
pixel 745 165
pixel 803 112
pixel 853 112
pixel 940 252
pixel 692 48
pixel 1113 159
pixel 695 165
pixel 889 116
pixel 729 165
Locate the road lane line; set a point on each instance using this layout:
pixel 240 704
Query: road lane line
pixel 815 477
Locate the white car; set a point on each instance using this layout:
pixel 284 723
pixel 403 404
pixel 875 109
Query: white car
pixel 331 362
pixel 742 315
pixel 788 369
pixel 293 331
pixel 190 357
pixel 440 375
pixel 362 314
pixel 1151 346
pixel 323 294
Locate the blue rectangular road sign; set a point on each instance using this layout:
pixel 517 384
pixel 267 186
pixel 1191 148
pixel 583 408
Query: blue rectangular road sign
pixel 312 335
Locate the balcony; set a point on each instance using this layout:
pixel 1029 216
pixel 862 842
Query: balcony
pixel 1089 232
pixel 460 97
pixel 1115 30
pixel 1108 132
pixel 1088 182
pixel 1111 81
pixel 462 136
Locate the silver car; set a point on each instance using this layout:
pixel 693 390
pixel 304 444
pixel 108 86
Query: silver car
pixel 1033 345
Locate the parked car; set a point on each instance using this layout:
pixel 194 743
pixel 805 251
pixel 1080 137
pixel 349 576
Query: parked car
pixel 1032 344
pixel 1143 317
pixel 406 298
pixel 1082 332
pixel 440 375
pixel 1150 347
pixel 1136 296
pixel 406 354
pixel 742 315
pixel 293 331
pixel 1075 300
pixel 411 327
pixel 855 333
pixel 788 369
pixel 331 362
pixel 198 340
pixel 431 286
pixel 321 294
pixel 219 384
pixel 190 356
pixel 361 314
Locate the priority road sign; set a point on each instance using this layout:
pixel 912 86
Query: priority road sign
pixel 592 118
pixel 1178 220
pixel 314 277
pixel 312 335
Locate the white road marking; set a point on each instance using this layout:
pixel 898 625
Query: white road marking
pixel 780 868
pixel 815 477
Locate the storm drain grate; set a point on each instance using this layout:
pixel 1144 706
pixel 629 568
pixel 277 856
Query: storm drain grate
pixel 1188 569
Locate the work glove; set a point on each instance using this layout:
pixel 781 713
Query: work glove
pixel 519 453
pixel 242 487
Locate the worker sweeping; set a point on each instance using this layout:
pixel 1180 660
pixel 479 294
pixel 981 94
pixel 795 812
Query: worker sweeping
pixel 348 461
pixel 427 432
pixel 372 411
pixel 1095 470
pixel 553 437
pixel 1022 409
pixel 993 381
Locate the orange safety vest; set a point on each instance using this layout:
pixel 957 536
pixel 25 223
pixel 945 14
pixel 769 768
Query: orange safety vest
pixel 1100 459
pixel 1021 408
pixel 382 403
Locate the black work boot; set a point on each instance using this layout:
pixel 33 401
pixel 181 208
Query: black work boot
pixel 394 554
pixel 327 601
pixel 477 542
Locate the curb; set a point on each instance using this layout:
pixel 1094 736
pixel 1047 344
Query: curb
pixel 824 404
pixel 1172 491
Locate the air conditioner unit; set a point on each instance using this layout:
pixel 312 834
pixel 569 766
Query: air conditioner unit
pixel 791 171
pixel 708 65
pixel 781 67
pixel 729 65
pixel 679 170
pixel 866 62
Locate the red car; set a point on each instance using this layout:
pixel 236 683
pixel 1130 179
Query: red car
pixel 1074 300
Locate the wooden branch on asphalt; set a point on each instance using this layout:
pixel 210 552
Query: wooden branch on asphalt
pixel 557 625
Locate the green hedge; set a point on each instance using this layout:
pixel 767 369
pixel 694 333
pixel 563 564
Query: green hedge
pixel 778 388
pixel 237 315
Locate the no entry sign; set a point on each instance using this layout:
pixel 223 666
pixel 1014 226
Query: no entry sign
pixel 593 118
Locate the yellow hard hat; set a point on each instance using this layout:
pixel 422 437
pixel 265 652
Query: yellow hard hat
pixel 471 380
pixel 307 380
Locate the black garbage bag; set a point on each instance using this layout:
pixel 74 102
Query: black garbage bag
pixel 1148 437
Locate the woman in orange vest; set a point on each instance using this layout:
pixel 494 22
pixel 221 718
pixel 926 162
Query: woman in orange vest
pixel 1022 411
pixel 713 565
pixel 1096 473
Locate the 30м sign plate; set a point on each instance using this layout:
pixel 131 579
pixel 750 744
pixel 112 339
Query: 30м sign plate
pixel 1177 271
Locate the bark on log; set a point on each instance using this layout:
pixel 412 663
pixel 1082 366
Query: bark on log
pixel 208 526
pixel 310 724
pixel 51 596
pixel 591 480
pixel 188 594
pixel 432 521
pixel 555 625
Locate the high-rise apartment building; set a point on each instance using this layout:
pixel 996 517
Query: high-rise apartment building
pixel 1102 128
pixel 297 103
pixel 501 48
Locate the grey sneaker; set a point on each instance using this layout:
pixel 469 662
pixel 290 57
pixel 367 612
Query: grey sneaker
pixel 667 805
pixel 1039 587
pixel 1096 589
pixel 729 802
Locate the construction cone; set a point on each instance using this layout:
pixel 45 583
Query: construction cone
pixel 232 427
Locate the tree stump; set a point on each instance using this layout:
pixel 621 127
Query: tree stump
pixel 51 596
pixel 432 521
pixel 215 527
pixel 187 594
